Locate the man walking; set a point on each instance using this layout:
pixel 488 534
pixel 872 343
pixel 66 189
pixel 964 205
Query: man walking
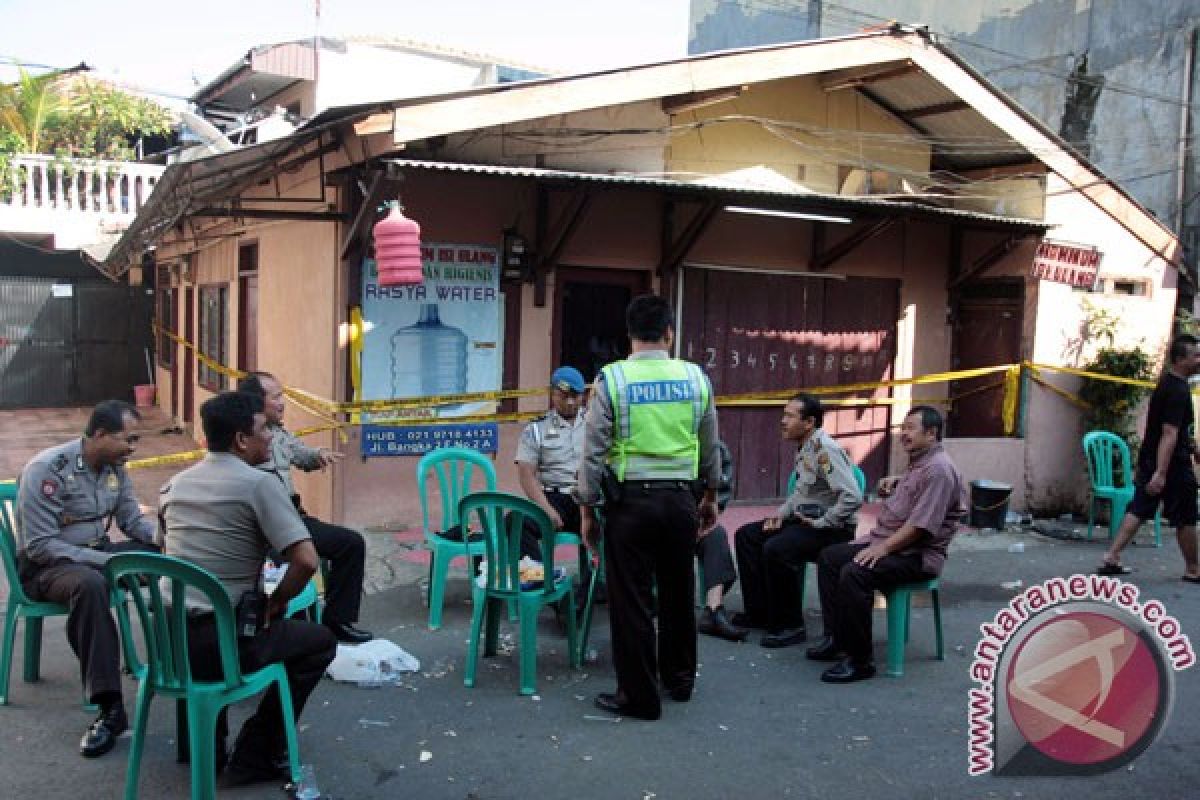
pixel 1164 466
pixel 651 444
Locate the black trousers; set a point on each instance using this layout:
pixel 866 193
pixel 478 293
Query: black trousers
pixel 346 553
pixel 91 629
pixel 848 593
pixel 770 564
pixel 567 508
pixel 305 650
pixel 648 540
pixel 717 559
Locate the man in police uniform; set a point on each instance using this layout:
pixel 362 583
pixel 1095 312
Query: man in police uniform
pixel 343 548
pixel 223 515
pixel 820 512
pixel 70 496
pixel 548 458
pixel 650 447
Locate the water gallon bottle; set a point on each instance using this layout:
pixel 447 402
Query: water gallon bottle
pixel 429 358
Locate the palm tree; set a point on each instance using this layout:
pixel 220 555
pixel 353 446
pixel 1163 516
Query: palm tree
pixel 29 108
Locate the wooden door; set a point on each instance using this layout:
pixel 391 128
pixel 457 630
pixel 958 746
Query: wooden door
pixel 755 332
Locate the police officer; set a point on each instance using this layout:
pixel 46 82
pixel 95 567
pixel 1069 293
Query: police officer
pixel 548 458
pixel 223 515
pixel 343 548
pixel 651 445
pixel 820 512
pixel 69 498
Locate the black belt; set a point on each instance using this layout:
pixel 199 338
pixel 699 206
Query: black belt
pixel 658 486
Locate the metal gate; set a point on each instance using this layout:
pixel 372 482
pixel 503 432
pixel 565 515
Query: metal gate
pixel 755 331
pixel 68 343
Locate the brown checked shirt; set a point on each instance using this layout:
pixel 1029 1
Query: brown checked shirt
pixel 929 496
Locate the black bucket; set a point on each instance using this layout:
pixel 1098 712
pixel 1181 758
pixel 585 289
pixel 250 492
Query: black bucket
pixel 989 504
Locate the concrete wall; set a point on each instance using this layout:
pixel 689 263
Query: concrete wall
pixel 791 148
pixel 1136 53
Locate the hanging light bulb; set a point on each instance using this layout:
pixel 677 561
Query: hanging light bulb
pixel 398 249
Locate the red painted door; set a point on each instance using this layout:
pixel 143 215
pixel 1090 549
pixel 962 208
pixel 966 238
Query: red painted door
pixel 755 332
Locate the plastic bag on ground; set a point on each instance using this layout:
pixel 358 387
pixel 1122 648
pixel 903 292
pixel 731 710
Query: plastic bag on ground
pixel 372 663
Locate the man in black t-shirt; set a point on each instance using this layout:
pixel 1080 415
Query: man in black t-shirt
pixel 1164 465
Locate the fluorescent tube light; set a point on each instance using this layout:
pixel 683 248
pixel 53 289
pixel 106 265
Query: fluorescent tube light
pixel 769 212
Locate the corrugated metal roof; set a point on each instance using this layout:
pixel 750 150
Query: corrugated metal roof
pixel 800 200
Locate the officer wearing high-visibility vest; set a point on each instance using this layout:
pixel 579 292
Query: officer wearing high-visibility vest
pixel 651 459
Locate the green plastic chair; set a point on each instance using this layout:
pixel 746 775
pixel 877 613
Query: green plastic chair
pixel 501 517
pixel 19 606
pixel 455 468
pixel 899 602
pixel 167 671
pixel 1107 458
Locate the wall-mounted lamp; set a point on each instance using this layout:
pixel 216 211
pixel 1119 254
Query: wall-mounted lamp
pixel 516 256
pixel 770 212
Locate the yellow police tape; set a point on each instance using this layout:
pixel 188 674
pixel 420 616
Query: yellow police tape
pixel 327 409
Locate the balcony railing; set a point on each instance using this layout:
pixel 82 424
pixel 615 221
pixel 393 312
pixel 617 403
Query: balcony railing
pixel 112 191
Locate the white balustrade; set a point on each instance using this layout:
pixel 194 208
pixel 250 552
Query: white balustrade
pixel 109 190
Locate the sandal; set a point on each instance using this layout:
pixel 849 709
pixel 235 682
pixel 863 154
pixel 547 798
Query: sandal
pixel 1117 569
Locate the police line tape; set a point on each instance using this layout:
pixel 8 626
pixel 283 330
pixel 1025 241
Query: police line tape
pixel 327 409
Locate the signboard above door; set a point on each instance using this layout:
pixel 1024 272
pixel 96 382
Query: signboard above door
pixel 1064 262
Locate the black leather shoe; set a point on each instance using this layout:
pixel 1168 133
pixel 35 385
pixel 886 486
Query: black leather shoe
pixel 680 694
pixel 825 650
pixel 102 734
pixel 848 671
pixel 241 771
pixel 784 638
pixel 606 701
pixel 348 634
pixel 713 622
pixel 741 619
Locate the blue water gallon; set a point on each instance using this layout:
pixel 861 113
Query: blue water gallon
pixel 429 358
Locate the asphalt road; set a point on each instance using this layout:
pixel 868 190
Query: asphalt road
pixel 760 725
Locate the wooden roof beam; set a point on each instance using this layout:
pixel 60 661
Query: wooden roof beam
pixel 822 261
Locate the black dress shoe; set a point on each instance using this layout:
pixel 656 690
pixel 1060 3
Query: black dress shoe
pixel 741 619
pixel 606 701
pixel 848 671
pixel 347 633
pixel 243 771
pixel 680 694
pixel 102 734
pixel 784 638
pixel 713 622
pixel 825 650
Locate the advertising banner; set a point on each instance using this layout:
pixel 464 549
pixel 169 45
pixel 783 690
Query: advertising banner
pixel 438 338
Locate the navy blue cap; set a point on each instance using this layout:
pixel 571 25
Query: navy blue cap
pixel 568 379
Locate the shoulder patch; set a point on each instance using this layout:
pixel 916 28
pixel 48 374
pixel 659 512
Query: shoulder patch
pixel 49 487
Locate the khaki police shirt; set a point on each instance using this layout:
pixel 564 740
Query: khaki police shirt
pixel 224 515
pixel 288 451
pixel 553 445
pixel 824 477
pixel 599 438
pixel 63 506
